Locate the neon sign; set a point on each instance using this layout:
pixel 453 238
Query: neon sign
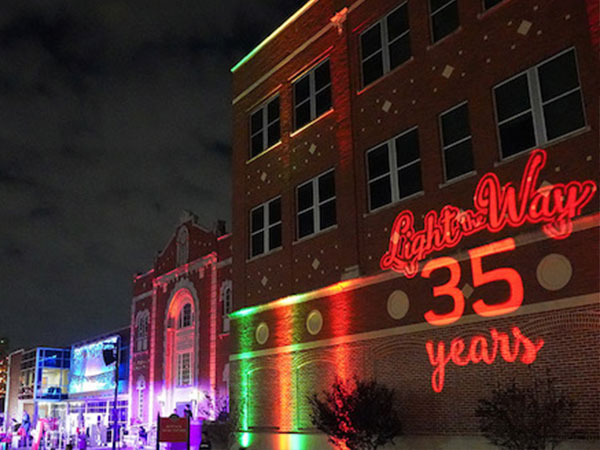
pixel 495 207
pixel 479 351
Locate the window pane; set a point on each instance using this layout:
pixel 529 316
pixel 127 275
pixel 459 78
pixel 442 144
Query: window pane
pixel 399 51
pixel 372 69
pixel 326 186
pixel 407 148
pixel 275 211
pixel 459 160
pixel 409 180
pixel 380 192
pixel 327 215
pixel 517 135
pixel 512 98
pixel 273 110
pixel 302 114
pixel 445 21
pixel 437 4
pixel 257 219
pixel 564 115
pixel 370 41
pixel 305 196
pixel 275 237
pixel 301 89
pixel 558 75
pixel 397 22
pixel 256 122
pixel 274 134
pixel 487 4
pixel 378 162
pixel 305 223
pixel 455 125
pixel 258 244
pixel 257 144
pixel 322 77
pixel 323 101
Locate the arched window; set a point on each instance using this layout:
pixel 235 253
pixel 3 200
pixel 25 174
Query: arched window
pixel 141 330
pixel 185 316
pixel 182 244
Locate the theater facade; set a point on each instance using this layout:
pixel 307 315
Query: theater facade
pixel 180 328
pixel 416 202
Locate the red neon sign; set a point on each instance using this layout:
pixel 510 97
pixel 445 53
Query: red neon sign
pixel 480 351
pixel 495 207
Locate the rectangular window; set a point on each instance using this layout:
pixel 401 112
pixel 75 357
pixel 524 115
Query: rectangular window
pixel 184 366
pixel 539 105
pixel 385 45
pixel 394 169
pixel 316 204
pixel 265 227
pixel 264 127
pixel 312 95
pixel 487 4
pixel 456 141
pixel 444 18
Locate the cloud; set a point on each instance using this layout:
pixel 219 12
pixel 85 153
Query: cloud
pixel 115 116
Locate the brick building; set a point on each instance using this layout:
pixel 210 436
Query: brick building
pixel 179 327
pixel 372 140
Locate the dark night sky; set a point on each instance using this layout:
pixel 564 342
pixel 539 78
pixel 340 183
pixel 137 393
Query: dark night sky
pixel 114 117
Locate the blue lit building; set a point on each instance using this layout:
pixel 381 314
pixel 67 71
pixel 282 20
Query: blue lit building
pixel 91 386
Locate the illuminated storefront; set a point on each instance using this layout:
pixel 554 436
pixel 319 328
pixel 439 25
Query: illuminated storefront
pixel 92 387
pixel 420 213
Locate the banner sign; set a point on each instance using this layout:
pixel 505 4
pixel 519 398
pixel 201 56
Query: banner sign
pixel 173 429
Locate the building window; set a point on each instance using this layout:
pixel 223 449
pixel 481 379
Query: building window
pixel 185 316
pixel 539 105
pixel 227 302
pixel 264 127
pixel 444 18
pixel 265 227
pixel 385 45
pixel 456 142
pixel 394 169
pixel 184 374
pixel 182 246
pixel 316 204
pixel 487 4
pixel 312 95
pixel 141 331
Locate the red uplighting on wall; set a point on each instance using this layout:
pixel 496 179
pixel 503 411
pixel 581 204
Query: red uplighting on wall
pixel 495 207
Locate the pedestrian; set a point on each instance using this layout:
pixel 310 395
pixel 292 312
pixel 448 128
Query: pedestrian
pixel 143 435
pixel 205 443
pixel 187 412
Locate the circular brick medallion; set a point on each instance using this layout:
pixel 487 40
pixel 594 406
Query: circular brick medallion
pixel 397 304
pixel 554 271
pixel 262 333
pixel 314 322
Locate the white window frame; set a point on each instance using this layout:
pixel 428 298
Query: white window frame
pixel 264 107
pixel 316 205
pixel 142 323
pixel 454 144
pixel 385 45
pixel 181 318
pixel 312 93
pixel 227 302
pixel 266 227
pixel 181 369
pixel 536 105
pixel 433 13
pixel 393 170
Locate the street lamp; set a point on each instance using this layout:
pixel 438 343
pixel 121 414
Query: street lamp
pixel 111 354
